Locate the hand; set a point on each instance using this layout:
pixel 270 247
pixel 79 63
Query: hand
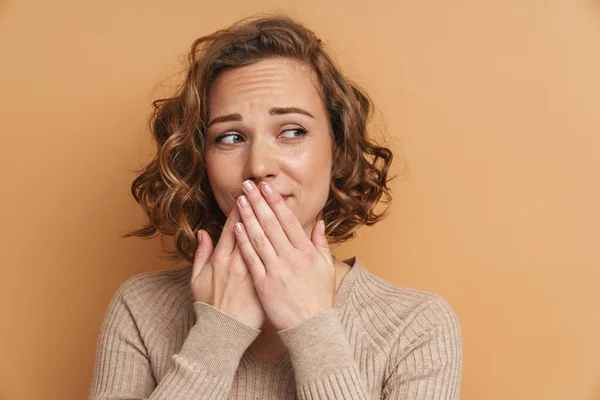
pixel 221 279
pixel 293 275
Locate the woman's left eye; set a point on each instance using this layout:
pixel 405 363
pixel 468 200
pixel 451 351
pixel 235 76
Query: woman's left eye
pixel 296 133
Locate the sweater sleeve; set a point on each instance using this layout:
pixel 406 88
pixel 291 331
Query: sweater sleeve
pixel 204 367
pixel 322 359
pixel 426 362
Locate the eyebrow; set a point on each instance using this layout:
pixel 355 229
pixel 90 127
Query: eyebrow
pixel 272 111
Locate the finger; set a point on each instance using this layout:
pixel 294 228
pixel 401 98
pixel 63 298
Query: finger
pixel 286 217
pixel 251 258
pixel 319 239
pixel 226 242
pixel 261 210
pixel 202 254
pixel 256 234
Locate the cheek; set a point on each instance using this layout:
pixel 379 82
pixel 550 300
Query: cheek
pixel 315 172
pixel 222 180
pixel 323 162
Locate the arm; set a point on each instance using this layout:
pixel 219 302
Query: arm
pixel 322 359
pixel 205 366
pixel 428 364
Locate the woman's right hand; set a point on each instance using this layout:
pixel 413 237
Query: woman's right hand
pixel 221 279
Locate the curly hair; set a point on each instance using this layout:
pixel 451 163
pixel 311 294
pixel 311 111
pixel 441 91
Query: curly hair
pixel 173 188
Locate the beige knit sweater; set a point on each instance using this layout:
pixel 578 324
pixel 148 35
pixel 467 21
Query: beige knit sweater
pixel 380 341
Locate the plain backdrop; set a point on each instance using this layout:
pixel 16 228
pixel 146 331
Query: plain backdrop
pixel 491 107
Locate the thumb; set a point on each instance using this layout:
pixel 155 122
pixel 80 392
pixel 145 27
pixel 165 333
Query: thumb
pixel 203 253
pixel 319 239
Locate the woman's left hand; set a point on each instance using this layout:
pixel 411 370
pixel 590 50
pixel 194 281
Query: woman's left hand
pixel 293 275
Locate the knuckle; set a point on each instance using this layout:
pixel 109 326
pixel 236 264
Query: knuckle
pixel 229 225
pixel 259 241
pixel 311 256
pixel 271 224
pixel 289 220
pixel 288 255
pixel 292 258
pixel 235 272
pixel 256 200
pixel 251 262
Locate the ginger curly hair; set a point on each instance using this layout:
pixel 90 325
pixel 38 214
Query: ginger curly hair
pixel 173 188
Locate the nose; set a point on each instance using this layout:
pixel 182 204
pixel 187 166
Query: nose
pixel 261 162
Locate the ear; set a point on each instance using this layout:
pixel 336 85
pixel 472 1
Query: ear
pixel 335 154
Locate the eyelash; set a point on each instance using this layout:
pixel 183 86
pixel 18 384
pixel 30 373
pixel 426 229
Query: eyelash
pixel 300 130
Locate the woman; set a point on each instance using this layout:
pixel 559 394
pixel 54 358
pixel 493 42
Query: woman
pixel 263 160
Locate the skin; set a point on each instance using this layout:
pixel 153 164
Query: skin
pixel 268 128
pixel 271 148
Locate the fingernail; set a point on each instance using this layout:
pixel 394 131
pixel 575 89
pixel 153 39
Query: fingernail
pixel 266 188
pixel 243 201
pixel 248 186
pixel 322 226
pixel 239 228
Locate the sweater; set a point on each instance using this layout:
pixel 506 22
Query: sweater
pixel 379 341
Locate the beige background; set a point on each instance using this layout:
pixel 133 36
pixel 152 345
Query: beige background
pixel 493 105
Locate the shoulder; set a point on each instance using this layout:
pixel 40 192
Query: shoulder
pixel 404 301
pixel 408 315
pixel 156 295
pixel 155 283
pixel 422 343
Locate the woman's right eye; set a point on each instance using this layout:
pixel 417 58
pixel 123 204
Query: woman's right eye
pixel 230 138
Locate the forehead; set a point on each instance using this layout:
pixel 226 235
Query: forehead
pixel 270 82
